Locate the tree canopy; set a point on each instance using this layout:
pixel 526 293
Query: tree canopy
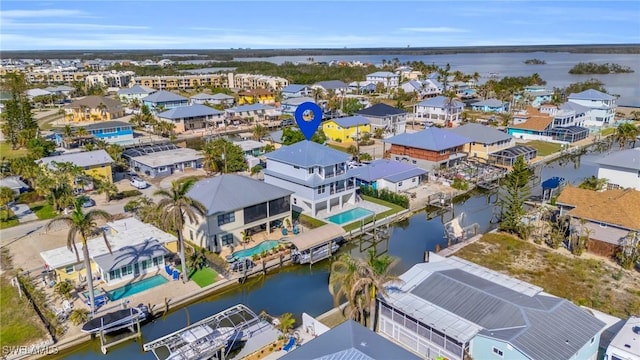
pixel 292 135
pixel 221 155
pixel 515 191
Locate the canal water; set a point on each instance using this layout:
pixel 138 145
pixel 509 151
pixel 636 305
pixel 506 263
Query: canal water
pixel 298 289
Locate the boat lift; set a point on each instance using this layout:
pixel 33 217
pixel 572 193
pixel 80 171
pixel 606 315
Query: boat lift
pixel 212 337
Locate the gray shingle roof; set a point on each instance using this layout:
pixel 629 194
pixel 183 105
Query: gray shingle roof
pixel 231 192
pixel 381 110
pixel 433 138
pixel 82 159
pixel 349 121
pixel 135 89
pixel 196 110
pixel 383 74
pixel 163 96
pixel 221 96
pixel 94 101
pixel 591 94
pixel 440 102
pixel 571 106
pixel 385 169
pixel 539 325
pixel 307 154
pixel 131 254
pixel 627 159
pixel 349 341
pixel 494 103
pixel 294 88
pixel 332 85
pixel 481 134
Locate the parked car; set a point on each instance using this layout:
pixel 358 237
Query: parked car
pixel 87 202
pixel 130 175
pixel 138 183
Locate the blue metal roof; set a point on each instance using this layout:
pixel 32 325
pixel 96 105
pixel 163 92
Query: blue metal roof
pixel 332 85
pixel 390 170
pixel 163 96
pixel 135 89
pixel 433 139
pixel 189 112
pixel 591 94
pixel 294 88
pixel 307 154
pixel 349 121
pixel 439 102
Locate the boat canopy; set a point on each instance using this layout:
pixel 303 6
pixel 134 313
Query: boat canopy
pixel 318 236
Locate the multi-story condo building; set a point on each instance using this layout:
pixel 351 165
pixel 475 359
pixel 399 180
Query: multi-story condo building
pixel 315 173
pixel 110 79
pixel 183 81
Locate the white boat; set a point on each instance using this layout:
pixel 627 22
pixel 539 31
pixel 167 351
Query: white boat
pixel 116 320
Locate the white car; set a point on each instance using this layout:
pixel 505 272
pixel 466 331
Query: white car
pixel 138 183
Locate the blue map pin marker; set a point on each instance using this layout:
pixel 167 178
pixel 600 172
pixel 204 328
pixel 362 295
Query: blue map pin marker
pixel 308 118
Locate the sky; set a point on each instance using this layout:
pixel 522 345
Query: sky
pixel 185 24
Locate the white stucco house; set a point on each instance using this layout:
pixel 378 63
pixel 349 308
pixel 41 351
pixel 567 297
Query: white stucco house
pixel 386 78
pixel 602 106
pixel 621 169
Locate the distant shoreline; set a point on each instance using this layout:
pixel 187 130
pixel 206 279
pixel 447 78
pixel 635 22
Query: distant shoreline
pixel 225 54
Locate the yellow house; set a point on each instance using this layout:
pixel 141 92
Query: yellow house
pixel 93 108
pixel 136 249
pixel 95 163
pixel 256 96
pixel 484 140
pixel 346 128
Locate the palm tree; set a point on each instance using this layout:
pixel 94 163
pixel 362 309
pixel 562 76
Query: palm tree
pixel 82 134
pixel 68 135
pixel 175 205
pixel 83 225
pixel 259 132
pixel 626 132
pixel 287 321
pixel 103 110
pixel 317 93
pixel 6 196
pixel 106 187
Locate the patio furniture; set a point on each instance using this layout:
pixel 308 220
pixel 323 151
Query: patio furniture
pixel 296 231
pixel 67 307
pixel 285 231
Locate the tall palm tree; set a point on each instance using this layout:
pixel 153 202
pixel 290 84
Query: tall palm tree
pixel 103 110
pixel 259 132
pixel 83 225
pixel 626 132
pixel 175 205
pixel 68 135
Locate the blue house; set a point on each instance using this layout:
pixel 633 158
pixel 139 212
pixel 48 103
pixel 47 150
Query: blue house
pixel 386 174
pixel 290 105
pixel 455 309
pixel 535 95
pixel 164 100
pixel 296 90
pixel 490 105
pixel 112 132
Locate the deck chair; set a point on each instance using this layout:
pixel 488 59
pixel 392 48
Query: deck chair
pixel 176 275
pixel 167 268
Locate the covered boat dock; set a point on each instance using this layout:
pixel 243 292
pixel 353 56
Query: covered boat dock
pixel 317 244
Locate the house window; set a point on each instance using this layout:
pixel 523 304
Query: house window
pixel 414 162
pixel 126 270
pixel 400 183
pixel 157 260
pixel 162 168
pixel 68 269
pixel 442 152
pixel 226 218
pixel 226 239
pixel 310 170
pixel 191 235
pixel 114 274
pixel 497 352
pixel 413 180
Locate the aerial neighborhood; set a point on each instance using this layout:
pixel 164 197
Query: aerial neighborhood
pixel 440 204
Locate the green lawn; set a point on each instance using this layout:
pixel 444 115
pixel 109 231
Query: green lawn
pixel 393 209
pixel 309 221
pixel 589 282
pixel 43 210
pixel 204 277
pixel 11 219
pixel 607 131
pixel 7 152
pixel 19 324
pixel 544 148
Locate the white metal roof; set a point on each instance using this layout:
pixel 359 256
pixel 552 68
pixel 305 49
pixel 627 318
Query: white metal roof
pixel 125 232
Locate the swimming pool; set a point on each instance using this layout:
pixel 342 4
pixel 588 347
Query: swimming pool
pixel 134 288
pixel 350 216
pixel 258 249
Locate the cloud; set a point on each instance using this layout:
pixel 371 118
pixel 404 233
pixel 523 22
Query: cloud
pixel 9 25
pixel 44 13
pixel 442 29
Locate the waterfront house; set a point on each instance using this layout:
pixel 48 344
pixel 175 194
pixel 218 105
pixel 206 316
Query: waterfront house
pixel 252 151
pixel 346 128
pixel 336 85
pixel 386 78
pixel 252 112
pixel 428 149
pixel 534 96
pixel 608 216
pixel 384 174
pixel 349 340
pixel 315 173
pixel 441 110
pixel 490 105
pixel 290 105
pixel 626 343
pixel 621 169
pixel 531 125
pixel 603 106
pixel 61 90
pixel 162 160
pixel 163 100
pixel 192 117
pixel 296 90
pixel 135 92
pixel 256 96
pixel 215 99
pixel 424 89
pixel 484 139
pixel 93 108
pixel 382 116
pixel 454 309
pixel 507 157
pixel 95 163
pixel 136 249
pixel 112 132
pixel 236 204
pixel 14 183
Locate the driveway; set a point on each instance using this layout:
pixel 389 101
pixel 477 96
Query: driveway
pixel 23 213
